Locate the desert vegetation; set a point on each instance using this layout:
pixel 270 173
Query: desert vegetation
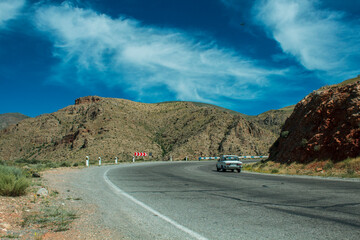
pixel 13 181
pixel 55 218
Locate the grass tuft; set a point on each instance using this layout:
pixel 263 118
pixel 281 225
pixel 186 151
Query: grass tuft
pixel 56 218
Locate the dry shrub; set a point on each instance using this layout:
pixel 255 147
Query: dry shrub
pixel 347 168
pixel 12 181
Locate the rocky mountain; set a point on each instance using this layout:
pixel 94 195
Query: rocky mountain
pixel 109 127
pixel 7 119
pixel 325 125
pixel 273 119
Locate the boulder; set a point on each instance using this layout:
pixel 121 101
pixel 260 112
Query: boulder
pixel 36 175
pixel 42 192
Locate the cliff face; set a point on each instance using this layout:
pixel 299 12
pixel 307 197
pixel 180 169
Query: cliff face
pixel 108 127
pixel 325 125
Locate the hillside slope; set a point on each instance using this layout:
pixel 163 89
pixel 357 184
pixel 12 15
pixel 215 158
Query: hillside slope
pixel 7 119
pixel 273 119
pixel 108 127
pixel 325 125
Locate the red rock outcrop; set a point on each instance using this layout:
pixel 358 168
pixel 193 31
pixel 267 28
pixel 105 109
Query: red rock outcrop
pixel 87 100
pixel 325 125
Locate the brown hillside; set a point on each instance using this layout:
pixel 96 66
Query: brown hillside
pixel 7 119
pixel 108 127
pixel 273 119
pixel 325 125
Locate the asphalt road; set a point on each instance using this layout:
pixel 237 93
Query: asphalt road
pixel 190 200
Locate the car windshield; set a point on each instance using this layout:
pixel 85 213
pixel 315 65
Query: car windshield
pixel 231 158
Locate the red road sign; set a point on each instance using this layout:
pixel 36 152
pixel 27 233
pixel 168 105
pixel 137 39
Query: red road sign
pixel 140 154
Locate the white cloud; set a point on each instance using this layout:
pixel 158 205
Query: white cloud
pixel 9 9
pixel 143 58
pixel 321 40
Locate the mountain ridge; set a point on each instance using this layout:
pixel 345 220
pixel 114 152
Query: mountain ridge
pixel 110 127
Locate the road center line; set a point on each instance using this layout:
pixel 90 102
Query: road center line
pixel 119 192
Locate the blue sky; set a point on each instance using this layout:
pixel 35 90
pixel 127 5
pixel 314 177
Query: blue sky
pixel 246 55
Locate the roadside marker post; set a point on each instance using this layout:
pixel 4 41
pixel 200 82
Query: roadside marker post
pixel 87 161
pixel 99 161
pixel 133 158
pixel 116 160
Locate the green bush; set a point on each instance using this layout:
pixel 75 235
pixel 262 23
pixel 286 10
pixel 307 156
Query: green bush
pixel 304 142
pixel 317 148
pixel 350 171
pixel 27 161
pixel 284 134
pixel 65 164
pixel 329 165
pixel 12 181
pixel 51 165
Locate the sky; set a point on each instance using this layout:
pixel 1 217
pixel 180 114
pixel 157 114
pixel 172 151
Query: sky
pixel 250 56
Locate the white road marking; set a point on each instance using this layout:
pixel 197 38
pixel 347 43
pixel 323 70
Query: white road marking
pixel 118 191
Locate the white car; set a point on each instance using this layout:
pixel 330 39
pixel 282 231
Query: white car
pixel 229 162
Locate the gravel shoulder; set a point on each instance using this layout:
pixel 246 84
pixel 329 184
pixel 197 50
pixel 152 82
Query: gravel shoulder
pixel 88 225
pixel 65 192
pixel 102 213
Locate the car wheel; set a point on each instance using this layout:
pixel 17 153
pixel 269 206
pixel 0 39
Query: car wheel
pixel 217 169
pixel 239 170
pixel 224 169
pixel 232 170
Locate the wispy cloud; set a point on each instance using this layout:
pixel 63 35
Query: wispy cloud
pixel 9 9
pixel 321 40
pixel 147 59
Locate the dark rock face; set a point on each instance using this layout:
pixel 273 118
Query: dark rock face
pixel 325 125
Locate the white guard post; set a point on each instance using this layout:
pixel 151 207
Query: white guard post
pixel 186 158
pixel 133 158
pixel 87 161
pixel 116 160
pixel 99 161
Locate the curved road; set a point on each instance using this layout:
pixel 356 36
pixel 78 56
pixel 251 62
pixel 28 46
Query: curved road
pixel 190 200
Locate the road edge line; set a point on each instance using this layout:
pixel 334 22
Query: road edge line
pixel 119 191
